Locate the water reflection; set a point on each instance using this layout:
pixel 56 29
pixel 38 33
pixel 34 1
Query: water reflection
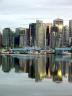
pixel 39 67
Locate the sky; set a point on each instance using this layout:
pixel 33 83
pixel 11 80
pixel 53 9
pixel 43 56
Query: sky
pixel 19 13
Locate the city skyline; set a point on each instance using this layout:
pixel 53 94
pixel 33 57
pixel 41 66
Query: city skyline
pixel 21 13
pixel 27 25
pixel 42 35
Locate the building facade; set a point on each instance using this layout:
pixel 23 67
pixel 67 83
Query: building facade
pixel 70 32
pixel 7 39
pixel 17 37
pixel 59 24
pixel 66 36
pixel 48 32
pixel 0 40
pixel 70 28
pixel 54 37
pixel 32 30
pixel 23 37
pixel 40 34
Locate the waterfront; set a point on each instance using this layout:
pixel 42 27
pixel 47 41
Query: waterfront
pixel 35 75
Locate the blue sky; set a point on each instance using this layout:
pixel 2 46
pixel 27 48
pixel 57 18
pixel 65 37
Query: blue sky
pixel 15 13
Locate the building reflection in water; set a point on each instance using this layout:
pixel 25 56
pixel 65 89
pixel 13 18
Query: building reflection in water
pixel 48 68
pixel 70 72
pixel 0 60
pixel 31 73
pixel 16 64
pixel 57 72
pixel 6 63
pixel 39 67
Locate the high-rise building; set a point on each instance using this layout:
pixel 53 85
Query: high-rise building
pixel 32 30
pixel 59 24
pixel 65 36
pixel 0 40
pixel 70 28
pixel 28 36
pixel 70 32
pixel 54 37
pixel 23 37
pixel 17 37
pixel 48 31
pixel 7 39
pixel 40 34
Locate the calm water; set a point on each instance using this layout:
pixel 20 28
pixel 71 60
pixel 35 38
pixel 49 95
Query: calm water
pixel 35 75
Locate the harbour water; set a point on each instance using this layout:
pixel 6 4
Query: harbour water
pixel 35 75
